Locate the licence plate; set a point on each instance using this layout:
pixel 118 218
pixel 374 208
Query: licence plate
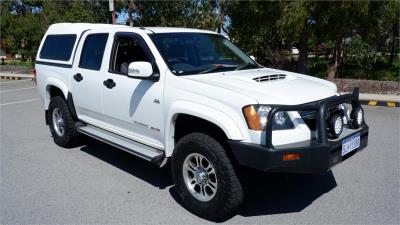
pixel 350 144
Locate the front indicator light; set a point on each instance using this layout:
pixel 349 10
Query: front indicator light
pixel 252 118
pixel 257 115
pixel 290 157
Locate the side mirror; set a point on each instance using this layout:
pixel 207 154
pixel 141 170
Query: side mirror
pixel 140 70
pixel 252 57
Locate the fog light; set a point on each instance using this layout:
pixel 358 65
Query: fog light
pixel 345 113
pixel 336 125
pixel 357 117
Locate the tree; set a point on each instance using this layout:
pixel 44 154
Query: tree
pixel 262 29
pixel 20 27
pixel 295 25
pixel 195 14
pixel 78 14
pixel 384 27
pixel 254 27
pixel 222 8
pixel 334 22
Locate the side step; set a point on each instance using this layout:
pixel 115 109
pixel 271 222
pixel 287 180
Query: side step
pixel 143 151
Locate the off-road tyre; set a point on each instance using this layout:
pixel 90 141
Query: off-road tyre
pixel 229 194
pixel 70 136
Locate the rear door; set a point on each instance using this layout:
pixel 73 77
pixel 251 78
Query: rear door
pixel 87 77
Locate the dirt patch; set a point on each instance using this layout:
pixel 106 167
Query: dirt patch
pixel 369 86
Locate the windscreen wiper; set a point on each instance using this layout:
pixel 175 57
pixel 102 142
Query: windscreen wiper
pixel 247 66
pixel 217 67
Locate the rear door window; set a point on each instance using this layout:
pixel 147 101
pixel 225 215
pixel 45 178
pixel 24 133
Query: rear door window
pixel 58 47
pixel 92 51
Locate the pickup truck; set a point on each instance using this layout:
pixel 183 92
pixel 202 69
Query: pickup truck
pixel 192 99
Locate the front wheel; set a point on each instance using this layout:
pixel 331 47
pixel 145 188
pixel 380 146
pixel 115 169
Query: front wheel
pixel 204 177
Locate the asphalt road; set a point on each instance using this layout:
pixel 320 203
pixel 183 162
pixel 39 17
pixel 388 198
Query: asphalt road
pixel 42 183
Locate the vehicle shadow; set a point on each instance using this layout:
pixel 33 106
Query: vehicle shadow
pixel 138 94
pixel 129 163
pixel 266 193
pixel 269 194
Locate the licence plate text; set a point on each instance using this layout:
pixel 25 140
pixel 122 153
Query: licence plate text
pixel 350 144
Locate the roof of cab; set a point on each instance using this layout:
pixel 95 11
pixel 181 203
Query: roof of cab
pixel 77 28
pixel 176 30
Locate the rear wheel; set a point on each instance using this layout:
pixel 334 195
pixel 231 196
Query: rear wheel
pixel 61 123
pixel 204 177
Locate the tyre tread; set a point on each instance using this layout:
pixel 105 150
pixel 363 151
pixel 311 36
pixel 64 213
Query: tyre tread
pixel 71 136
pixel 230 184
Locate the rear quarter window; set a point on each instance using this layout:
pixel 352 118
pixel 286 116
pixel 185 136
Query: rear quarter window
pixel 58 47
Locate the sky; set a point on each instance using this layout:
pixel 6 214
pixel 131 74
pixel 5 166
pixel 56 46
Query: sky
pixel 122 17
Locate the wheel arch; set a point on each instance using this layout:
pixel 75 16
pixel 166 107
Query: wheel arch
pixel 57 88
pixel 219 122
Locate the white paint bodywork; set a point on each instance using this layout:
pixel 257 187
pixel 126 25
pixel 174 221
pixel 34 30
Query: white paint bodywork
pixel 140 69
pixel 216 97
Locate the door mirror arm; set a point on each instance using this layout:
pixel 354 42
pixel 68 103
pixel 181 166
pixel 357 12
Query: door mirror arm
pixel 154 77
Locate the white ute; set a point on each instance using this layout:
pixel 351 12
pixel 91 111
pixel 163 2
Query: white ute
pixel 193 99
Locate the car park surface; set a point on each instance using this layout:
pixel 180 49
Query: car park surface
pixel 96 183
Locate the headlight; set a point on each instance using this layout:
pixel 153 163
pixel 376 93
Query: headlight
pixel 282 121
pixel 257 115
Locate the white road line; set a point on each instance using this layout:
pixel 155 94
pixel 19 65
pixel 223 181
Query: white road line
pixel 19 89
pixel 23 101
pixel 14 81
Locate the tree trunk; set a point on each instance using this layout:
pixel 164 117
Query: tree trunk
pixel 302 63
pixel 391 58
pixel 220 25
pixel 337 54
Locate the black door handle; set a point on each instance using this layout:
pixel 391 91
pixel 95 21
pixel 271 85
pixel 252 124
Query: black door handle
pixel 78 77
pixel 109 83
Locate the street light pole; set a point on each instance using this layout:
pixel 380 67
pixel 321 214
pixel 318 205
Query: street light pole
pixel 112 9
pixel 113 16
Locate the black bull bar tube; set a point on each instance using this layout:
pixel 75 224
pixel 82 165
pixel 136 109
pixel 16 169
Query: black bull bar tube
pixel 321 107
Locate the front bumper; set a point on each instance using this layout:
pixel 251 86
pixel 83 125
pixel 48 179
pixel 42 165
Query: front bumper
pixel 316 156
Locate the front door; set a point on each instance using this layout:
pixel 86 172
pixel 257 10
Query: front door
pixel 134 107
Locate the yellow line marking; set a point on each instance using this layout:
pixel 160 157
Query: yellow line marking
pixel 391 104
pixel 372 103
pixel 10 78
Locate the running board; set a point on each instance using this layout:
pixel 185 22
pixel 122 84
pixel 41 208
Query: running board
pixel 143 151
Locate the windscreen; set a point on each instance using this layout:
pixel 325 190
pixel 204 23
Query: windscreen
pixel 194 53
